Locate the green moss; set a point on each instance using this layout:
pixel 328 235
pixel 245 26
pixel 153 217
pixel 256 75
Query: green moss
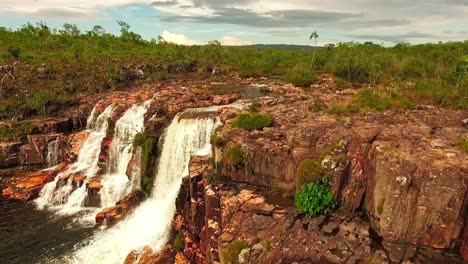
pixel 217 139
pixel 230 253
pixel 179 243
pixel 309 171
pixel 252 121
pixel 462 144
pixel 149 149
pixel 235 155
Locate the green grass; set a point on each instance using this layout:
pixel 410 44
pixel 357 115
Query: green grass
pixel 7 133
pixel 301 75
pixel 252 121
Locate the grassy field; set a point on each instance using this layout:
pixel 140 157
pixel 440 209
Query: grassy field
pixel 51 66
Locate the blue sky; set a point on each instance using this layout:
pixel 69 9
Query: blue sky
pixel 238 22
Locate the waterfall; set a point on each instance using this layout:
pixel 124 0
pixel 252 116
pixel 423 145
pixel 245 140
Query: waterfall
pixel 150 223
pixel 53 153
pixel 54 196
pixel 116 182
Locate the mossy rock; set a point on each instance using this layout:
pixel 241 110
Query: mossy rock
pixel 235 155
pixel 309 171
pixel 230 253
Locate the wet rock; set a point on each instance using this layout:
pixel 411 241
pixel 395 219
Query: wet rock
pixel 112 215
pixel 25 188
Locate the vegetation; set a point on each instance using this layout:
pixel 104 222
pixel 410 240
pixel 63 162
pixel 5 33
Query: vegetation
pixel 462 144
pixel 52 66
pixel 309 171
pixel 230 253
pixel 315 199
pixel 235 155
pixel 178 243
pixel 252 121
pixel 149 150
pixel 7 133
pixel 266 245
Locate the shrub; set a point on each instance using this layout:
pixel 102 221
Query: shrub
pixel 315 199
pixel 252 121
pixel 235 155
pixel 462 144
pixel 14 52
pixel 309 171
pixel 301 75
pixel 7 133
pixel 230 253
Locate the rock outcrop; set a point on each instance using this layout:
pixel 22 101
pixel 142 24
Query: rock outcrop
pixel 27 187
pixel 112 215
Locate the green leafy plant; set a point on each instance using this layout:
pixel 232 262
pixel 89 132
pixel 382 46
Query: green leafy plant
pixel 315 199
pixel 252 121
pixel 230 253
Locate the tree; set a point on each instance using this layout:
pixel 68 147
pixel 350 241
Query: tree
pixel 124 27
pixel 314 36
pixel 97 31
pixel 71 30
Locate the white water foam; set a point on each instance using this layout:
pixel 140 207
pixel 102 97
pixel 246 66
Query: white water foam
pixel 116 182
pixel 57 198
pixel 150 223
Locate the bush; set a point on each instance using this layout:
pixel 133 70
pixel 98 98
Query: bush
pixel 309 171
pixel 235 155
pixel 266 244
pixel 301 75
pixel 252 121
pixel 14 52
pixel 230 253
pixel 315 199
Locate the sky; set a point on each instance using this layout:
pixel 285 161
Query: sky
pixel 244 22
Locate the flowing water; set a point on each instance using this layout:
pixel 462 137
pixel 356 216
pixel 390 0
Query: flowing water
pixel 116 182
pixel 53 153
pixel 62 199
pixel 150 223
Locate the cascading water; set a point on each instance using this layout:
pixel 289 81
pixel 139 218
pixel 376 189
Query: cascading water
pixel 116 182
pixel 150 223
pixel 53 153
pixel 86 163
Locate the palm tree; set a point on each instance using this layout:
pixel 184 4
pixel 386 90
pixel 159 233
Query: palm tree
pixel 314 36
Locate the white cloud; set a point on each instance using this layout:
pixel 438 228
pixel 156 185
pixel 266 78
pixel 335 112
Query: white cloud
pixel 233 41
pixel 178 38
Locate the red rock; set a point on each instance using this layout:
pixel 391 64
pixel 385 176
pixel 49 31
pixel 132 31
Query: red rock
pixel 114 214
pixel 25 188
pixel 9 154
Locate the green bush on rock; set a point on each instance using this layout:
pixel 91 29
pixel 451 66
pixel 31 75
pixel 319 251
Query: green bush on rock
pixel 235 155
pixel 315 199
pixel 252 121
